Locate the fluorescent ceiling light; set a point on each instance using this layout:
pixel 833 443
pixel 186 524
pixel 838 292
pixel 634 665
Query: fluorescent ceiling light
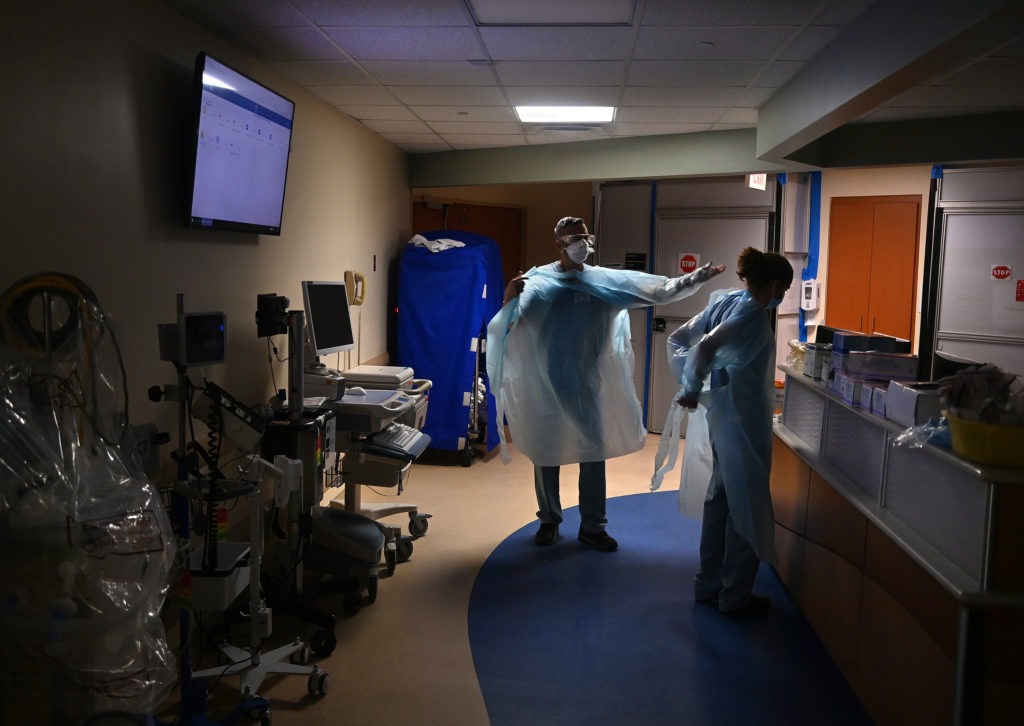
pixel 565 114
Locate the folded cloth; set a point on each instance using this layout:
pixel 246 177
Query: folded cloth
pixel 435 245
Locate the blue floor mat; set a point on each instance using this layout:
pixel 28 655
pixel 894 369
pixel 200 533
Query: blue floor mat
pixel 569 635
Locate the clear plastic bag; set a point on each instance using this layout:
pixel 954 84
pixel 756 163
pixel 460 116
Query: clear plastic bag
pixel 933 431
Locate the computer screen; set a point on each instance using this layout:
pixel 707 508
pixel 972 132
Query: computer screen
pixel 241 140
pixel 328 324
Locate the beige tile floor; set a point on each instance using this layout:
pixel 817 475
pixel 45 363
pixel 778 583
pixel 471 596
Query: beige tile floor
pixel 406 658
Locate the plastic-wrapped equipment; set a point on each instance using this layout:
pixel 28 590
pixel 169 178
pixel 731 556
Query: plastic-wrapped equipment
pixel 88 546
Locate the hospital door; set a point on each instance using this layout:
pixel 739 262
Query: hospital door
pixel 684 242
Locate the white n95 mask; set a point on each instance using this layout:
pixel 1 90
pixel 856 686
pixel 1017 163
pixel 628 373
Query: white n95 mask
pixel 579 251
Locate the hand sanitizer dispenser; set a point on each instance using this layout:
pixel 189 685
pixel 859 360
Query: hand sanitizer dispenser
pixel 809 295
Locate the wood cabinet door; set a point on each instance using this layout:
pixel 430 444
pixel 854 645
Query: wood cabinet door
pixel 872 264
pixel 851 230
pixel 894 268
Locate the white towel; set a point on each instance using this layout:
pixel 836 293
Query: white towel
pixel 435 245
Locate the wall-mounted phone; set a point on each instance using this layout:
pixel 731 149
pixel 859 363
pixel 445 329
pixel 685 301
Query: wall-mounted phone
pixel 355 284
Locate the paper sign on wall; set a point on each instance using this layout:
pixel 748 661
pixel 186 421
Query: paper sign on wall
pixel 1020 290
pixel 687 262
pixel 1001 272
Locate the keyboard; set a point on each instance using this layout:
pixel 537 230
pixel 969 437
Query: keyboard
pixel 399 440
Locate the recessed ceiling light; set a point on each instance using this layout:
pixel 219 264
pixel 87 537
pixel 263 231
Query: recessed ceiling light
pixel 565 114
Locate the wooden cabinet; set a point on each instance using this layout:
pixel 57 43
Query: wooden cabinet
pixel 906 561
pixel 872 264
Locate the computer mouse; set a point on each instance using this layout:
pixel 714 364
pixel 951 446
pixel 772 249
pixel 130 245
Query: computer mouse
pixel 355 391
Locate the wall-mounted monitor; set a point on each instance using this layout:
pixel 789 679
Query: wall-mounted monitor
pixel 328 323
pixel 241 138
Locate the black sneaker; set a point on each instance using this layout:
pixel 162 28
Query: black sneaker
pixel 599 540
pixel 546 534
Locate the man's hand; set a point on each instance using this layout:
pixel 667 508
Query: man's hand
pixel 705 273
pixel 686 401
pixel 515 287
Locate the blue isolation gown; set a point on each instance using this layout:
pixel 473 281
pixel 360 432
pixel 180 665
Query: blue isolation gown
pixel 727 354
pixel 560 363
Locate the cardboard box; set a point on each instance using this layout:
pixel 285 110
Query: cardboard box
pixel 908 403
pixel 878 399
pixel 867 392
pixel 814 356
pixel 879 366
pixel 846 341
pixel 828 374
pixel 848 388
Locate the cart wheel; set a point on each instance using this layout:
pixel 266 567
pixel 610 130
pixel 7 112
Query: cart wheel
pixel 318 682
pixel 467 455
pixel 323 642
pixel 418 524
pixel 371 588
pixel 404 549
pixel 300 656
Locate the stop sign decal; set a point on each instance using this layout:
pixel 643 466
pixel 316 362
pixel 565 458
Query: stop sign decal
pixel 1000 272
pixel 688 262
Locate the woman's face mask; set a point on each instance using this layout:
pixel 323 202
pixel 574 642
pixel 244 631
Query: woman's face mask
pixel 579 249
pixel 774 303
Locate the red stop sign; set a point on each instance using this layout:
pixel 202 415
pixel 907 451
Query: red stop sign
pixel 687 263
pixel 1001 272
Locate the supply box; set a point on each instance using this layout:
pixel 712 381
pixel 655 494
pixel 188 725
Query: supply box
pixel 908 403
pixel 876 365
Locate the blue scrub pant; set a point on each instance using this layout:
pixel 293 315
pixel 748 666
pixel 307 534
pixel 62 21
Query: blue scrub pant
pixel 728 564
pixel 593 492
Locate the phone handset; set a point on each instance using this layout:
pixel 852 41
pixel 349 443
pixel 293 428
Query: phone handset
pixel 355 284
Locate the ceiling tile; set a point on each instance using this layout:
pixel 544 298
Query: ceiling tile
pixel 383 13
pixel 240 13
pixel 747 13
pixel 458 127
pixel 396 127
pixel 285 44
pixel 429 73
pixel 483 141
pixel 450 95
pixel 693 73
pixel 552 12
pixel 323 73
pixel 657 129
pixel 667 115
pixel 465 113
pixel 713 44
pixel 405 44
pixel 389 113
pixel 541 43
pixel 711 96
pixel 561 73
pixel 355 95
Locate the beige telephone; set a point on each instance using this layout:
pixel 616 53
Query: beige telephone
pixel 355 285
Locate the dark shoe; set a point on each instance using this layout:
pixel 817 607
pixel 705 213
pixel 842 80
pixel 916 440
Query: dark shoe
pixel 546 534
pixel 599 540
pixel 710 600
pixel 756 605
